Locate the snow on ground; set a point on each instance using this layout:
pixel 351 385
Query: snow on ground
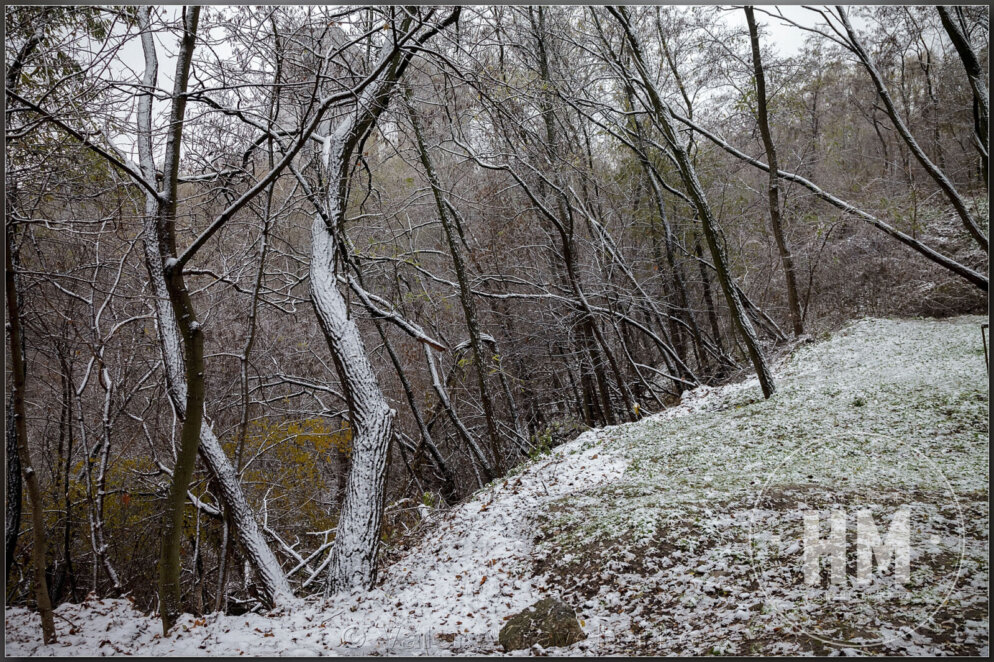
pixel 659 532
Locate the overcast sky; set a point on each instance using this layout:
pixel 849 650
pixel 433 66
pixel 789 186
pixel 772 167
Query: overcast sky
pixel 787 40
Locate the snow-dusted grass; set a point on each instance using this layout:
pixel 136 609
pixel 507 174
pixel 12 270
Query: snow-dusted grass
pixel 649 529
pixel 880 415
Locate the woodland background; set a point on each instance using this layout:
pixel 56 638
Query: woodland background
pixel 567 231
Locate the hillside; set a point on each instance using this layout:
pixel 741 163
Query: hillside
pixel 679 533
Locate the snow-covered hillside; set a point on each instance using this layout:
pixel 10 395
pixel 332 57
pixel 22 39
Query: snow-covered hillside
pixel 658 532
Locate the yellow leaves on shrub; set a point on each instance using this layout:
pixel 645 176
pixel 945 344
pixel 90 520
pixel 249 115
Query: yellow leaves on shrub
pixel 293 467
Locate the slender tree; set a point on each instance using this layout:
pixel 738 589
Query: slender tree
pixel 855 44
pixel 975 74
pixel 663 117
pixel 39 544
pixel 773 189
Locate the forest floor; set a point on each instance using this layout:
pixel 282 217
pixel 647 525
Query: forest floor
pixel 682 532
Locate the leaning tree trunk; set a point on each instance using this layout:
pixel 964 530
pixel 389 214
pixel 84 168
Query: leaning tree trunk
pixel 353 555
pixel 353 558
pixel 709 224
pixel 163 215
pixel 975 73
pixel 773 189
pixel 939 177
pixel 274 587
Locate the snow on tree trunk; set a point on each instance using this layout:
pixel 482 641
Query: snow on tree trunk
pixel 353 557
pixel 274 587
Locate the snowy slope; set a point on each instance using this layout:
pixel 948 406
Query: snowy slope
pixel 640 526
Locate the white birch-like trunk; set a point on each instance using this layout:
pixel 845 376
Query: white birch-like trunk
pixel 353 556
pixel 273 583
pixel 274 587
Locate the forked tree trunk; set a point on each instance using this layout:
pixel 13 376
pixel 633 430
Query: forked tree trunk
pixel 353 555
pixel 182 347
pixel 192 338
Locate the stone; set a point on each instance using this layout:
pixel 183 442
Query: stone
pixel 548 623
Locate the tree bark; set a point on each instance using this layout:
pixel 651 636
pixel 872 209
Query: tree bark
pixel 975 74
pixel 39 539
pixel 353 555
pixel 192 339
pixel 773 190
pixel 12 521
pixel 274 587
pixel 353 558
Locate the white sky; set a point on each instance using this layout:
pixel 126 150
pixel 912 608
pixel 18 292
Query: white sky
pixel 786 39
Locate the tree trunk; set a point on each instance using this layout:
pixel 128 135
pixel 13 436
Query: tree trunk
pixel 275 589
pixel 773 191
pixel 937 175
pixel 12 522
pixel 192 341
pixel 449 225
pixel 353 557
pixel 39 544
pixel 975 74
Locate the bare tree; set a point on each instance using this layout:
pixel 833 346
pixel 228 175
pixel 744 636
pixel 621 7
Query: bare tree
pixel 662 115
pixel 855 44
pixel 975 74
pixel 773 190
pixel 353 557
